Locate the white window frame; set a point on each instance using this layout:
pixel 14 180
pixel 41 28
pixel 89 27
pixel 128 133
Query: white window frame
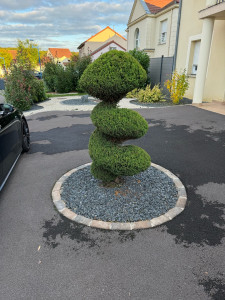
pixel 194 38
pixel 195 58
pixel 112 48
pixel 137 39
pixel 163 31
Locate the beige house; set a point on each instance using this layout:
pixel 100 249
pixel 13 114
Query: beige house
pixel 201 48
pixel 61 56
pixel 101 39
pixel 152 27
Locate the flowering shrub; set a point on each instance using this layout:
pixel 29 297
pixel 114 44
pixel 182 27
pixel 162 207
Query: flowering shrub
pixel 177 86
pixel 22 89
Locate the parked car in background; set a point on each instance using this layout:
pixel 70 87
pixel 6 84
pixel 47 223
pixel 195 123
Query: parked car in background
pixel 14 139
pixel 38 75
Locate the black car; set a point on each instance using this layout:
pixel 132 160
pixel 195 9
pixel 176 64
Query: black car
pixel 14 139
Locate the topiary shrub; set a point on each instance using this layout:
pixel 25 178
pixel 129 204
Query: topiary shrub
pixel 109 78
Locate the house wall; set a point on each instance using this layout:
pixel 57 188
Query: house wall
pixel 168 48
pixel 90 47
pixel 190 32
pixel 104 50
pixel 150 28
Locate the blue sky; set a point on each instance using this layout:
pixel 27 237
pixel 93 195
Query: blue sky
pixel 63 24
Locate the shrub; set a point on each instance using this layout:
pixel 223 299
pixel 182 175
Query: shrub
pixel 177 86
pixel 132 94
pixel 109 78
pixel 144 60
pixel 63 80
pixel 22 89
pixel 141 57
pixel 49 75
pixel 112 76
pixel 149 95
pixel 38 91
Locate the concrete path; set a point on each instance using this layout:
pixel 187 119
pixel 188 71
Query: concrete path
pixel 72 103
pixel 45 256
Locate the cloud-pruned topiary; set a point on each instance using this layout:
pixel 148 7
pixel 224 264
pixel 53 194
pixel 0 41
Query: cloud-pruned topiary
pixel 109 78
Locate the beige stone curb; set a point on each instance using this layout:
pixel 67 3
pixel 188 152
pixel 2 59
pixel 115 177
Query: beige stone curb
pixel 168 216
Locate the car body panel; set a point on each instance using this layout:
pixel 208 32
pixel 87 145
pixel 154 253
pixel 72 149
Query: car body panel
pixel 10 142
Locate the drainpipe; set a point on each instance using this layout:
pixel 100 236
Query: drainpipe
pixel 177 37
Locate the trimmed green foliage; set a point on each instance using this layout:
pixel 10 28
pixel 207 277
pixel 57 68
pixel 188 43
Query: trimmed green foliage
pixel 119 123
pixel 109 78
pixel 112 76
pixel 114 159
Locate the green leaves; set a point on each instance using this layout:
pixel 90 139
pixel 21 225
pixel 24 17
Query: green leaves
pixel 112 76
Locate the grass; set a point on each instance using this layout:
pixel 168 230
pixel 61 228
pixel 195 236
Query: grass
pixel 52 95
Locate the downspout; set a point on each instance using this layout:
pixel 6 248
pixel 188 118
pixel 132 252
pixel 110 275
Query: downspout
pixel 177 36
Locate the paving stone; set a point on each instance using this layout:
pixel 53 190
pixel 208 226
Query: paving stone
pixel 172 213
pixel 181 202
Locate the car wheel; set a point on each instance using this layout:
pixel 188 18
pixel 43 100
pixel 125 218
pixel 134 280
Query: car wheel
pixel 25 137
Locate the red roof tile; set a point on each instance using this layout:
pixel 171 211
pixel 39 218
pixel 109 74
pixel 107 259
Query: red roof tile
pixel 156 6
pixel 60 52
pixel 13 53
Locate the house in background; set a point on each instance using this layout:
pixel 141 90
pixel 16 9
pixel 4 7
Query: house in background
pixel 101 41
pixel 152 27
pixel 59 55
pixel 201 48
pixel 112 45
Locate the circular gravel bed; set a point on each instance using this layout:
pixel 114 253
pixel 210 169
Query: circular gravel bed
pixel 143 201
pixel 79 102
pixel 143 196
pixel 162 103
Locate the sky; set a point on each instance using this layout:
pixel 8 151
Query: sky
pixel 60 23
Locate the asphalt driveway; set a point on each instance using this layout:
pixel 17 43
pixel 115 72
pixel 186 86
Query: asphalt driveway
pixel 45 256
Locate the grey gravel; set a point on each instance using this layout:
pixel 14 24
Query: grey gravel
pixel 166 102
pixel 144 196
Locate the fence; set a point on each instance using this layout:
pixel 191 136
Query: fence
pixel 161 69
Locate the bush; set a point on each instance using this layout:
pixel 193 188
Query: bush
pixel 142 58
pixel 112 76
pixel 49 75
pixel 177 86
pixel 149 95
pixel 22 89
pixel 38 91
pixel 109 78
pixel 63 80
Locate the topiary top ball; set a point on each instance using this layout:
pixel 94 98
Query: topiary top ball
pixel 112 76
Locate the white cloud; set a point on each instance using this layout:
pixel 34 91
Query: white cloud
pixel 43 20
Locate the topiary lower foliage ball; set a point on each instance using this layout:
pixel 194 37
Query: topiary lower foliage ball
pixel 110 78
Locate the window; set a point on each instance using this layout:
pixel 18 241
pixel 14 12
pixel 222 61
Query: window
pixel 195 57
pixel 137 39
pixel 112 48
pixel 163 32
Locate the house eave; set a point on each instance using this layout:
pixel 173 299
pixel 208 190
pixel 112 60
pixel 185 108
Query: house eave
pixel 153 15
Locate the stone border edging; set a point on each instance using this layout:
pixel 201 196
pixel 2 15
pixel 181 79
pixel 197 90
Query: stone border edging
pixel 168 216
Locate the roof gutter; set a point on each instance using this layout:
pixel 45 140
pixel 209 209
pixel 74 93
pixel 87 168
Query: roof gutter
pixel 177 37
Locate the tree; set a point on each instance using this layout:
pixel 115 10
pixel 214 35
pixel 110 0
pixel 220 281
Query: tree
pixel 7 57
pixel 27 55
pixel 110 78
